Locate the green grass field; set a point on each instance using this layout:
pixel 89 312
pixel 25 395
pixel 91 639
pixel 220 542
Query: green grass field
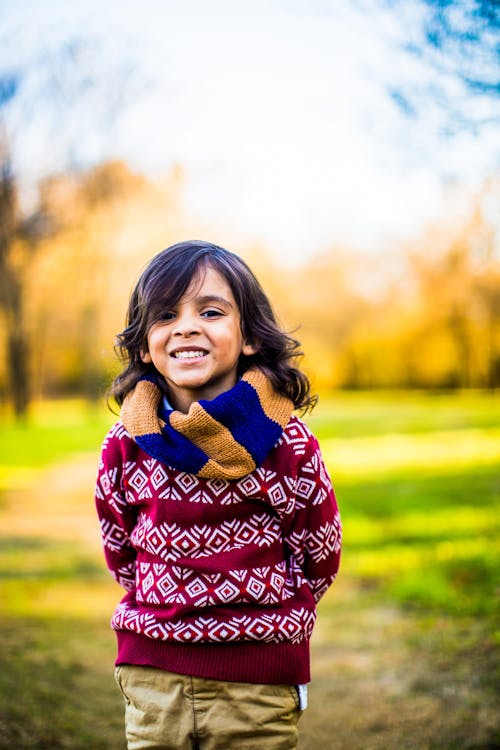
pixel 405 652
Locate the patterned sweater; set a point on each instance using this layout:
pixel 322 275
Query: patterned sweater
pixel 222 577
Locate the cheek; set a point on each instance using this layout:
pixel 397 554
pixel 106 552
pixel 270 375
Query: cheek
pixel 151 343
pixel 238 343
pixel 155 337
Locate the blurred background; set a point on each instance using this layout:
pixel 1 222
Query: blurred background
pixel 349 150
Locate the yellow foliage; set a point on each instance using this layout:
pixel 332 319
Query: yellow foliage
pixel 429 317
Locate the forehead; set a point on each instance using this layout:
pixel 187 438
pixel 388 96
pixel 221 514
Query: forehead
pixel 208 282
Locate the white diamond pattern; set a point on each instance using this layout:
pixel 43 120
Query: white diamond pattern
pixel 188 557
pixel 292 625
pixel 170 584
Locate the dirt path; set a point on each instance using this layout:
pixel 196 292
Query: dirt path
pixel 56 502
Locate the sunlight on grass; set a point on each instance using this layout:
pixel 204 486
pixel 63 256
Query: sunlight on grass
pixel 56 430
pixel 66 599
pixel 16 477
pixel 361 413
pixel 391 560
pixel 439 452
pixel 363 531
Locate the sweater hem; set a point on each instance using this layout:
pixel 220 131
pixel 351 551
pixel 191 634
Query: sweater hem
pixel 264 663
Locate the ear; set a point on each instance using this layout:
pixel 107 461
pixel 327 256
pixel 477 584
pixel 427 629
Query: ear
pixel 146 357
pixel 249 349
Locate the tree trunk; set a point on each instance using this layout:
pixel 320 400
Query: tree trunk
pixel 11 297
pixel 18 370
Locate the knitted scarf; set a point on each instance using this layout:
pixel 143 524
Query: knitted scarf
pixel 226 438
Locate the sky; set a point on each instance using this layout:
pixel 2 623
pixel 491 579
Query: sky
pixel 301 123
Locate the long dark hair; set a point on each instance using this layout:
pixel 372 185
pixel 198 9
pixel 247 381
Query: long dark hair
pixel 162 284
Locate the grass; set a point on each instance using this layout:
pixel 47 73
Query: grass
pixel 365 413
pixel 55 431
pixel 55 693
pixel 405 652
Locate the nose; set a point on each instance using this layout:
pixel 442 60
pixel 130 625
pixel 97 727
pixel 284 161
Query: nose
pixel 186 324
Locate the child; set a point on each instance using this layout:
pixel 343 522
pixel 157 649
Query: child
pixel 217 513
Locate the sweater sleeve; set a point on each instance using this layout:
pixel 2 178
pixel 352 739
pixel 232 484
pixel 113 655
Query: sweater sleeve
pixel 117 518
pixel 315 534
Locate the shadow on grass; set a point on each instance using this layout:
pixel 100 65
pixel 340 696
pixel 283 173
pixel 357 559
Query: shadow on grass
pixel 388 677
pixel 38 558
pixel 57 687
pixel 382 680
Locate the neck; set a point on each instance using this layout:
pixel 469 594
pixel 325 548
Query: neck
pixel 179 401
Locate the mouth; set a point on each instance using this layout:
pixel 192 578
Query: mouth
pixel 189 353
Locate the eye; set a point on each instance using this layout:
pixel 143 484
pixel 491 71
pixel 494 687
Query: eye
pixel 167 315
pixel 212 313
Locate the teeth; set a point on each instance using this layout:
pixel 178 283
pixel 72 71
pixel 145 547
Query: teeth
pixel 189 355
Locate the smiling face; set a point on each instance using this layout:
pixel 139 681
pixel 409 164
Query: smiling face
pixel 198 343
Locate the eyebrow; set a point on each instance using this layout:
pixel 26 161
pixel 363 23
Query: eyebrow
pixel 209 298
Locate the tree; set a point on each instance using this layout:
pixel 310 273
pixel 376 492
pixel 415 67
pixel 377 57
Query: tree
pixel 68 82
pixel 14 252
pixel 19 241
pixel 11 297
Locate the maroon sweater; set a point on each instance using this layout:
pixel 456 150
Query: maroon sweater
pixel 222 576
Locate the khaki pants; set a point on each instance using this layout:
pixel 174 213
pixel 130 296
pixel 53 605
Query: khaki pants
pixel 165 711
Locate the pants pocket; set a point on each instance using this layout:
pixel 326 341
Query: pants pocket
pixel 119 682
